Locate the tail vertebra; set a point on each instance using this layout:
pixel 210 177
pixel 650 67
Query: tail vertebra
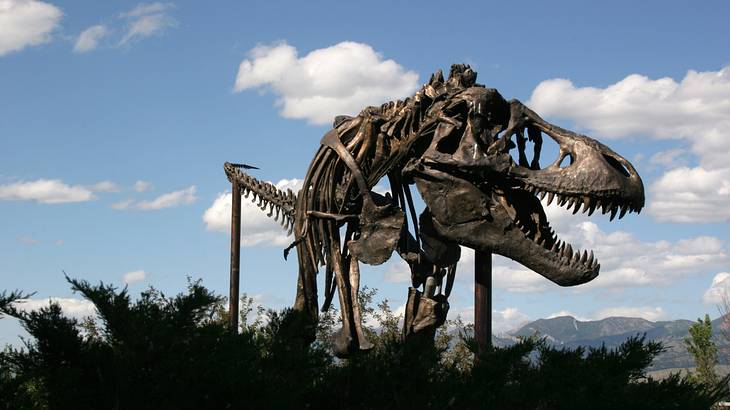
pixel 279 203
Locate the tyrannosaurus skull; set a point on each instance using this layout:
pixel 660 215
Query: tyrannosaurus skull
pixel 480 198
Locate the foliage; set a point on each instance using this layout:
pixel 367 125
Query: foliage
pixel 704 351
pixel 177 353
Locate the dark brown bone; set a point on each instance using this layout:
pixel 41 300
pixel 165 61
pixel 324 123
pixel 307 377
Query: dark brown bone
pixel 452 139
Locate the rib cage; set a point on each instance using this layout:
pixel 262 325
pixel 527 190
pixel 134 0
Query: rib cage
pixel 280 204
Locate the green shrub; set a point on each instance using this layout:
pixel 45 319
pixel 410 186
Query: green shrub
pixel 177 353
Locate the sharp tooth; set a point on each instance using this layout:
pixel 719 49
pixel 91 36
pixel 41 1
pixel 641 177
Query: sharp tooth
pixel 592 209
pixel 605 207
pixel 542 195
pixel 613 213
pixel 561 200
pixel 584 257
pixel 551 196
pixel 569 250
pixel 598 267
pixel 586 203
pixel 555 247
pixel 576 257
pixel 577 207
pixel 590 259
pixel 623 211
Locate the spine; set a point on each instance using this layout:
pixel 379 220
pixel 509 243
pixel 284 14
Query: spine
pixel 280 204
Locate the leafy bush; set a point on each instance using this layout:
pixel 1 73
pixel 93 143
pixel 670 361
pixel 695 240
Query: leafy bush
pixel 177 353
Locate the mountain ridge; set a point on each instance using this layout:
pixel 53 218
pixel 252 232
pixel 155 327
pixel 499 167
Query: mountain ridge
pixel 569 332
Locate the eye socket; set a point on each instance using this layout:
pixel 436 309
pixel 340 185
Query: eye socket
pixel 449 143
pixel 566 161
pixel 617 165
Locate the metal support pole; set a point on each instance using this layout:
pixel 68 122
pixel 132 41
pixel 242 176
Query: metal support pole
pixel 235 255
pixel 483 299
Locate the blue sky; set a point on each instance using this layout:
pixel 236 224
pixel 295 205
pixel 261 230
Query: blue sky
pixel 116 118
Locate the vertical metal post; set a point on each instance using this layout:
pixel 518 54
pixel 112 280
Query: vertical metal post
pixel 483 299
pixel 235 255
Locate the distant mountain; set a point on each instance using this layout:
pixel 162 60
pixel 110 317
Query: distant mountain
pixel 570 332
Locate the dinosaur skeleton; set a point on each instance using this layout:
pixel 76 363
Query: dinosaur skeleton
pixel 452 139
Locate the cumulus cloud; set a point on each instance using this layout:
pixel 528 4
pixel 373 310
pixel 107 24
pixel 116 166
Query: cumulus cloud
pixel 146 20
pixel 628 262
pixel 104 186
pixel 649 313
pixel 141 186
pixel 45 191
pixel 172 199
pixel 669 158
pixel 256 227
pixel 719 291
pixel 564 313
pixel 169 200
pixel 506 274
pixel 645 312
pixel 134 276
pixel 503 321
pixel 692 195
pixel 341 79
pixel 397 272
pixel 89 38
pixel 695 109
pixel 72 307
pixel 26 23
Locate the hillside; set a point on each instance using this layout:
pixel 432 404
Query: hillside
pixel 570 332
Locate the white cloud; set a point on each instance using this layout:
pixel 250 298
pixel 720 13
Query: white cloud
pixel 134 276
pixel 669 158
pixel 27 240
pixel 144 9
pixel 397 271
pixel 77 308
pixel 563 313
pixel 503 321
pixel 696 110
pixel 506 274
pixel 89 38
pixel 341 79
pixel 147 20
pixel 627 262
pixel 123 204
pixel 256 227
pixel 45 191
pixel 692 195
pixel 141 186
pixel 104 186
pixel 26 23
pixel 169 200
pixel 183 197
pixel 649 313
pixel 508 319
pixel 645 312
pixel 719 291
